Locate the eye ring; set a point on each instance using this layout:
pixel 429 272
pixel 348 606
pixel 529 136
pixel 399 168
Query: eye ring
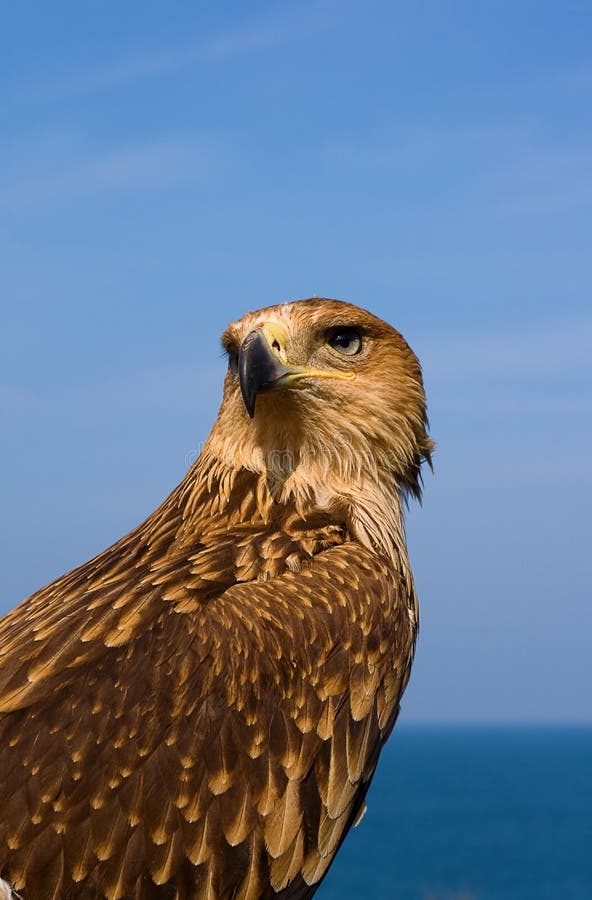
pixel 345 340
pixel 233 363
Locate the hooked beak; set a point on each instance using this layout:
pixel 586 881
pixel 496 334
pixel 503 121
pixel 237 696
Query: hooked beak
pixel 259 368
pixel 262 365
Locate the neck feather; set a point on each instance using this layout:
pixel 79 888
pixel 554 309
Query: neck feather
pixel 352 487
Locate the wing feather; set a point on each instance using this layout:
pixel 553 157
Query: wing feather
pixel 283 823
pixel 221 744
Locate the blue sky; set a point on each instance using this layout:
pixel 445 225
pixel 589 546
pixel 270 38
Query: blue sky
pixel 162 170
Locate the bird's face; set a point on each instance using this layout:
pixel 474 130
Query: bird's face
pixel 324 377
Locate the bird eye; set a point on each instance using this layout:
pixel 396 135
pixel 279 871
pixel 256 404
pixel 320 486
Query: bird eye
pixel 346 341
pixel 233 363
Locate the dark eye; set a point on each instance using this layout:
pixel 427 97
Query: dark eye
pixel 233 362
pixel 347 341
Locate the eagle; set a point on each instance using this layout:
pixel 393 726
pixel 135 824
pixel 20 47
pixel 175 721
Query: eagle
pixel 197 712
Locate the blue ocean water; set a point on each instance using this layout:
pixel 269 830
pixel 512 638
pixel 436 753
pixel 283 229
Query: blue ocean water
pixel 473 813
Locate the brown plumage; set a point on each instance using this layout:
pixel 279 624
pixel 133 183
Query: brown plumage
pixel 197 712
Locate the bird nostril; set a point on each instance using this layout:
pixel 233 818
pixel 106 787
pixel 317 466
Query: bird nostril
pixel 275 345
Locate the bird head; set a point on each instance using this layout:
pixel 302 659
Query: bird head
pixel 319 387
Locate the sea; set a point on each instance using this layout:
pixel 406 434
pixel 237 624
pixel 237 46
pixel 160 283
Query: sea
pixel 473 813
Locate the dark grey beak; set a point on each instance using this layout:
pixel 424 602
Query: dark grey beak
pixel 258 368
